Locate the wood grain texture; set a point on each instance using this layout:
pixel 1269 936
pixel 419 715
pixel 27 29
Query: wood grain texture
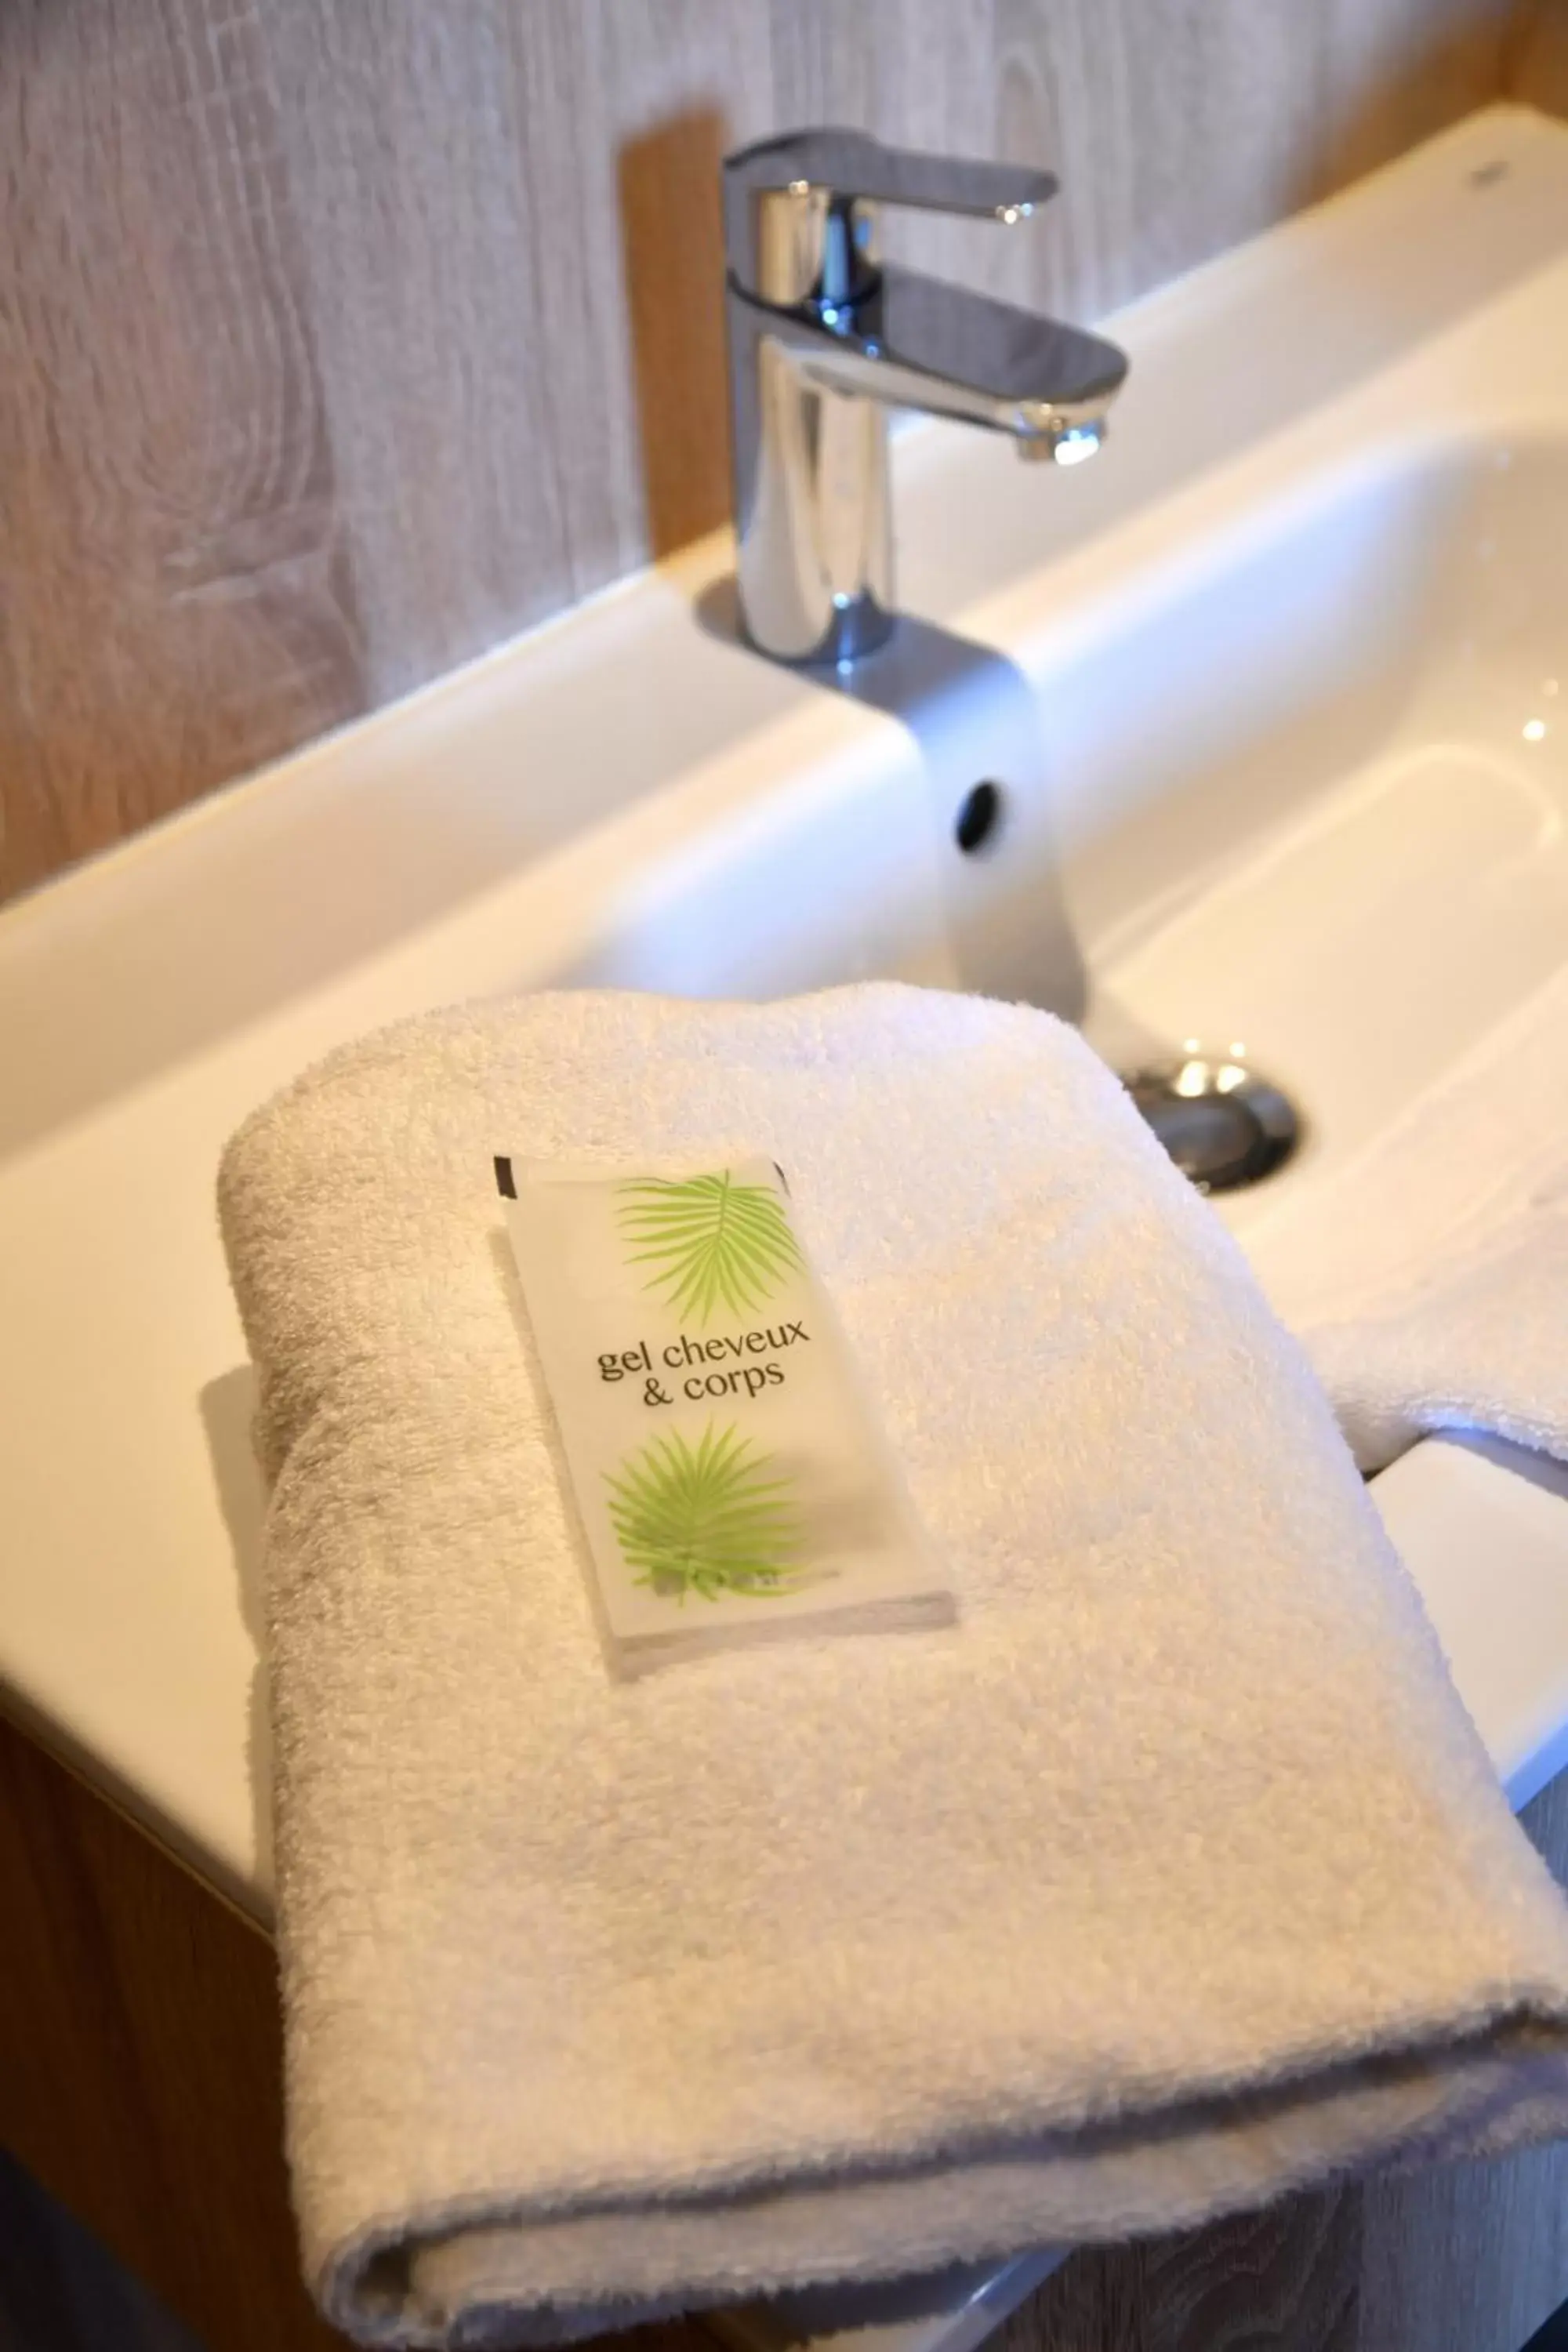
pixel 1536 67
pixel 339 340
pixel 1286 2279
pixel 141 2069
pixel 474 180
pixel 175 606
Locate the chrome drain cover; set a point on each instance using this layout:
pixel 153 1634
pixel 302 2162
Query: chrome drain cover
pixel 1223 1125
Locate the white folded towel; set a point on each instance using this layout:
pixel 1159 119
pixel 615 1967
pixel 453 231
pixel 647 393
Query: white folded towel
pixel 1429 1277
pixel 1170 1876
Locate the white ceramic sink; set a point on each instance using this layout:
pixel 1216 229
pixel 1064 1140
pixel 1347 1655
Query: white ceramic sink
pixel 1276 696
pixel 1361 860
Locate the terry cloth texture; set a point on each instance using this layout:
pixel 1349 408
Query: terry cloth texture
pixel 1429 1279
pixel 1171 1875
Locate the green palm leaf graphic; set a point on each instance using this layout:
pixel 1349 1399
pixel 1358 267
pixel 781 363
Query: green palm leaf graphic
pixel 713 1241
pixel 707 1519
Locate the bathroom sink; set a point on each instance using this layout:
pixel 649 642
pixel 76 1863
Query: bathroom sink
pixel 1272 705
pixel 1388 839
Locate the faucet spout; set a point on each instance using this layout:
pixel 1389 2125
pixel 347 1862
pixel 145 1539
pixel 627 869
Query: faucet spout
pixel 824 339
pixel 916 343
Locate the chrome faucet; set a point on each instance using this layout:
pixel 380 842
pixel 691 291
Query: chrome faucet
pixel 825 339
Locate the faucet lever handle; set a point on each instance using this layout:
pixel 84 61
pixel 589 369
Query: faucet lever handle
pixel 851 164
pixel 831 172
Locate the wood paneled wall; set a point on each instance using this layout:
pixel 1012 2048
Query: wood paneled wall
pixel 1536 65
pixel 340 338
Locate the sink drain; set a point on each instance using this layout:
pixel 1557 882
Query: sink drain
pixel 1222 1124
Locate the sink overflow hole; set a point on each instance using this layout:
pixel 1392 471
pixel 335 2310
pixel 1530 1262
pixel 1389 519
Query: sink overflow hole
pixel 978 818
